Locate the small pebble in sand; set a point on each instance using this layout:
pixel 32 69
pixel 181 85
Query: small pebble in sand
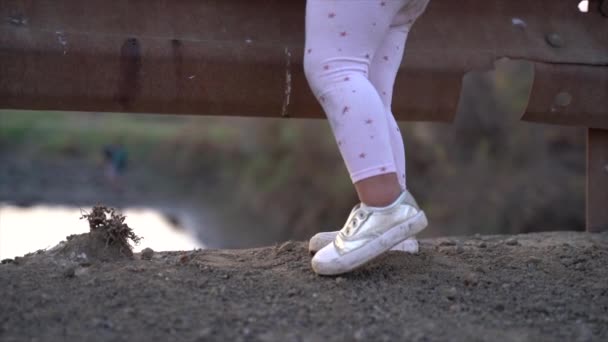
pixel 480 269
pixel 359 335
pixel 286 247
pixel 512 242
pixel 70 272
pixel 450 293
pixel 147 254
pixel 184 259
pixel 456 307
pixel 470 279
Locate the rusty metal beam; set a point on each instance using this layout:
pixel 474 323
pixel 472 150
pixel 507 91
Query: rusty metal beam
pixel 572 95
pixel 228 57
pixel 597 180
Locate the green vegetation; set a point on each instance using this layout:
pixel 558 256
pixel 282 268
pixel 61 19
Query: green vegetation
pixel 56 133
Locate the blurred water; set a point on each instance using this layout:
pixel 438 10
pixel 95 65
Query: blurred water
pixel 25 230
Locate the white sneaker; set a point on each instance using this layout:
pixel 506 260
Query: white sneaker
pixel 369 232
pixel 322 239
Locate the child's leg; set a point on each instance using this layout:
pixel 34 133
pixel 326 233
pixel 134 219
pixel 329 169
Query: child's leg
pixel 383 72
pixel 342 38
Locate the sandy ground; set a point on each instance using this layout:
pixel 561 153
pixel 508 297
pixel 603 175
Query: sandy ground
pixel 537 287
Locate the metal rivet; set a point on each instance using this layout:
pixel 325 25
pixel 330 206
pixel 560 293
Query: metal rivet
pixel 554 40
pixel 17 20
pixel 518 22
pixel 563 99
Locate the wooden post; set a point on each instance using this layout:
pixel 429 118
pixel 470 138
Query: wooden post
pixel 597 180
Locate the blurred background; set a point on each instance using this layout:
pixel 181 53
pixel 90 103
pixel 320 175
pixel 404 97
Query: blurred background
pixel 229 182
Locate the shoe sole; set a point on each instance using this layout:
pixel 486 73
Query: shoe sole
pixel 359 257
pixel 405 246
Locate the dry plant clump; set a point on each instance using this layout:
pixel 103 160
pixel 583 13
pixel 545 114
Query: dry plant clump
pixel 111 224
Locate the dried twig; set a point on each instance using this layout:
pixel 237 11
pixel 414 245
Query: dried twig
pixel 112 224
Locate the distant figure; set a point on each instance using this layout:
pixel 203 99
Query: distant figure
pixel 115 164
pixel 352 55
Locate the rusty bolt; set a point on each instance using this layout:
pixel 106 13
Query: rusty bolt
pixel 555 40
pixel 563 99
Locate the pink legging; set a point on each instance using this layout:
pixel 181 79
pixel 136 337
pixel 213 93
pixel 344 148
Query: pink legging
pixel 353 51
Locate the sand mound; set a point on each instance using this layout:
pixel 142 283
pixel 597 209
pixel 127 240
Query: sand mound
pixel 91 247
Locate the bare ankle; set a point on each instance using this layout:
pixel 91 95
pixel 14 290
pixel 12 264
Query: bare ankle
pixel 379 191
